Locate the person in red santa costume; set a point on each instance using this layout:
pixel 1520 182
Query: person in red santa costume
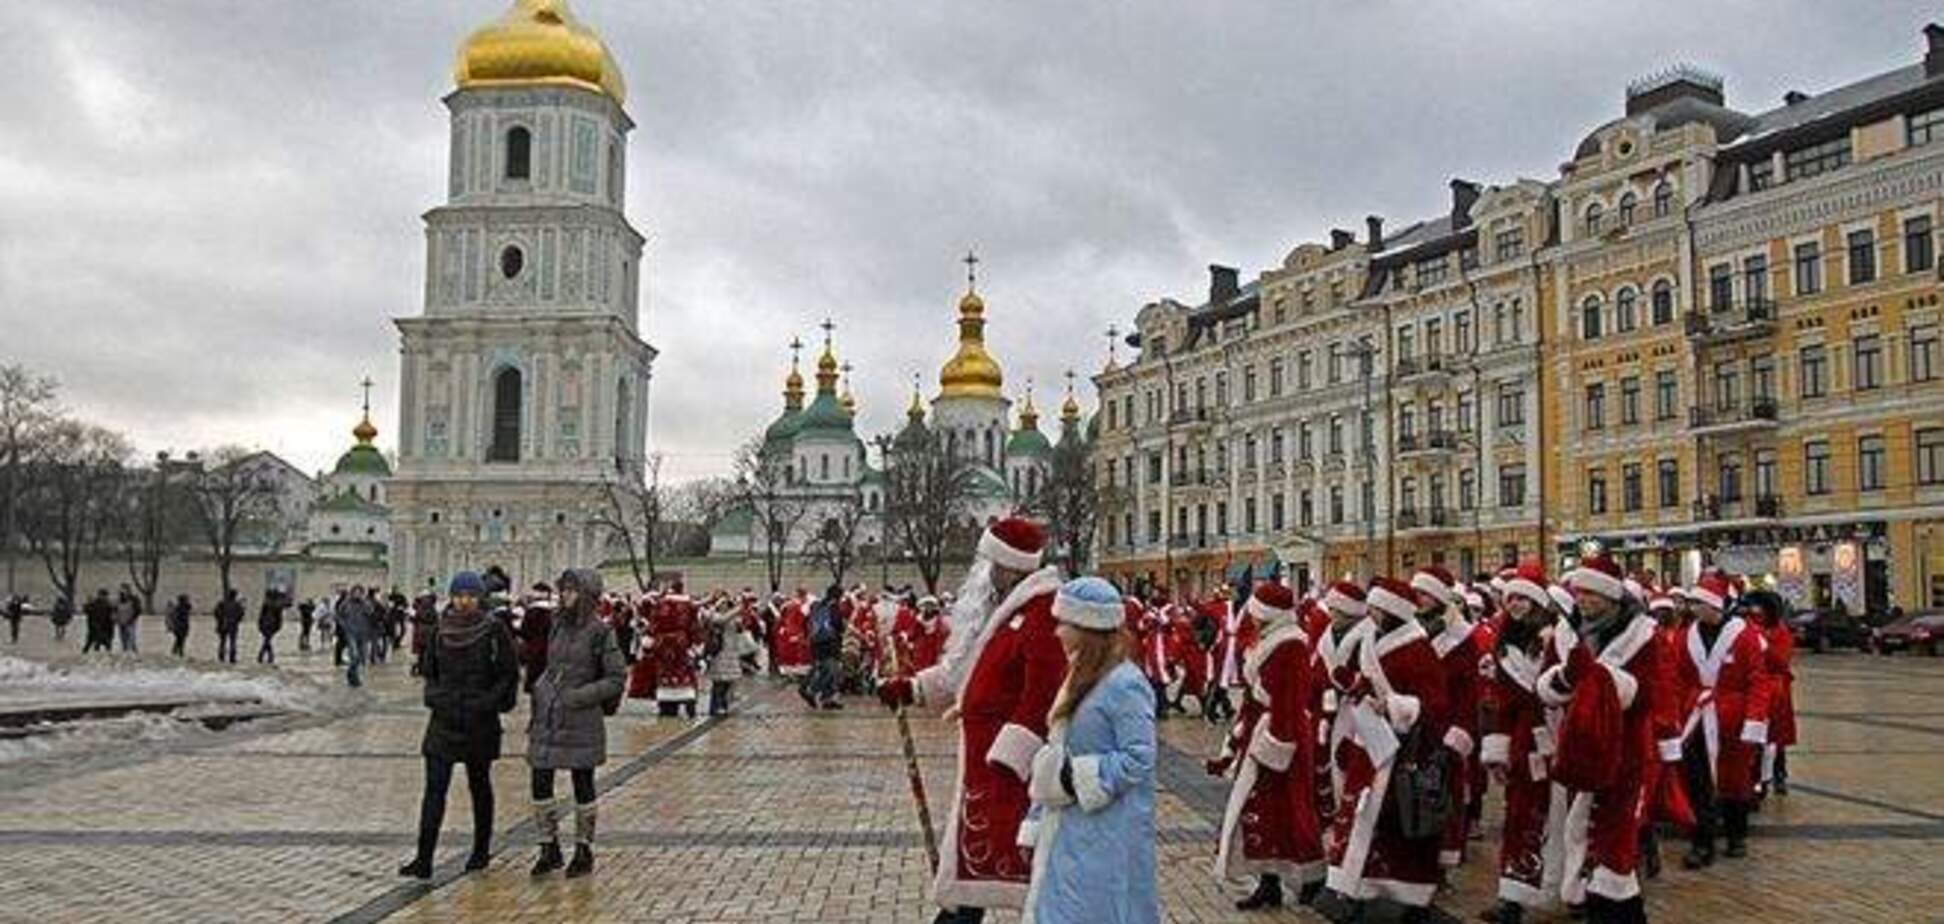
pixel 1765 609
pixel 1518 744
pixel 1001 671
pixel 676 634
pixel 1441 611
pixel 1271 829
pixel 1236 630
pixel 792 646
pixel 1187 656
pixel 1148 626
pixel 1396 698
pixel 639 616
pixel 1725 687
pixel 918 636
pixel 1663 794
pixel 1617 696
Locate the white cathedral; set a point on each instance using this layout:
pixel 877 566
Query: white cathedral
pixel 524 383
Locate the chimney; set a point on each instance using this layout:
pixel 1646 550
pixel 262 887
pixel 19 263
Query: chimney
pixel 1376 226
pixel 1464 195
pixel 1222 284
pixel 1933 50
pixel 1793 97
pixel 1340 239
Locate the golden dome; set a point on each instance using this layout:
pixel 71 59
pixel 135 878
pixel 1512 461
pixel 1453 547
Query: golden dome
pixel 972 372
pixel 1070 411
pixel 1028 414
pixel 364 431
pixel 539 42
pixel 916 412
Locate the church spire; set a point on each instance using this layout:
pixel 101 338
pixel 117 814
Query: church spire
pixel 365 432
pixel 827 363
pixel 793 384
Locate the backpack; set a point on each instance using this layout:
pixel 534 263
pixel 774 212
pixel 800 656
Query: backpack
pixel 823 624
pixel 1423 782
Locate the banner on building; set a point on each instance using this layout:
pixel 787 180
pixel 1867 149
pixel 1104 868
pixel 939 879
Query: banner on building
pixel 1846 576
pixel 1792 577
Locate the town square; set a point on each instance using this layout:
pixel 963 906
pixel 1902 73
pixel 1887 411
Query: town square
pixel 617 460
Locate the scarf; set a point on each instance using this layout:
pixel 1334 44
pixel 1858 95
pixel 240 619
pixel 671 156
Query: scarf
pixel 463 630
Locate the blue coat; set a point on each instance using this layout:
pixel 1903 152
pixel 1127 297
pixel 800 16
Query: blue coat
pixel 1093 859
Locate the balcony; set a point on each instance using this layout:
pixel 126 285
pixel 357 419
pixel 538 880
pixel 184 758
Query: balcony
pixel 1753 414
pixel 1431 366
pixel 1407 518
pixel 1437 441
pixel 1714 508
pixel 1753 319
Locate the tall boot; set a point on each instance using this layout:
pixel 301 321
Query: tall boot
pixel 1268 894
pixel 1650 858
pixel 1701 854
pixel 546 817
pixel 1735 824
pixel 583 862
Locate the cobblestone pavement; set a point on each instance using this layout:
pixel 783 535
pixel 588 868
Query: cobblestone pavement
pixel 779 815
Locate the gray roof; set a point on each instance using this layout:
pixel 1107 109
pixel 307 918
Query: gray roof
pixel 1836 102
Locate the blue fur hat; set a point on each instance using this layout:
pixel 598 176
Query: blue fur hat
pixel 467 582
pixel 1089 603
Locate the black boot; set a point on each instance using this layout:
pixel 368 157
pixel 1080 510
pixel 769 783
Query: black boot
pixel 1504 912
pixel 1311 889
pixel 418 868
pixel 1650 858
pixel 549 859
pixel 583 862
pixel 478 860
pixel 1735 821
pixel 1268 894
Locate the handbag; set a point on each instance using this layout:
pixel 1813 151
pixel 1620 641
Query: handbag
pixel 1423 777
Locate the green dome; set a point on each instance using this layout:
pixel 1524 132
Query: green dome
pixel 824 417
pixel 784 428
pixel 363 459
pixel 1028 443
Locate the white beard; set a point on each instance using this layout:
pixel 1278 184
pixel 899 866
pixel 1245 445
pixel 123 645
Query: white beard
pixel 977 598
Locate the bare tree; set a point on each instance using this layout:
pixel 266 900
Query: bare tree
pixel 834 543
pixel 763 490
pixel 634 517
pixel 69 498
pixel 26 411
pixel 228 494
pixel 150 510
pixel 1069 500
pixel 927 500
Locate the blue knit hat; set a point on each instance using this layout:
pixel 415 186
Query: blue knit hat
pixel 467 582
pixel 1089 603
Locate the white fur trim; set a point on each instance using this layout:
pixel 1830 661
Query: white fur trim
pixel 1087 786
pixel 1518 893
pixel 1382 598
pixel 1101 617
pixel 932 685
pixel 1428 583
pixel 1706 597
pixel 675 694
pixel 1548 692
pixel 1608 884
pixel 1455 632
pixel 1409 632
pixel 1264 611
pixel 1521 587
pixel 1624 685
pixel 992 549
pixel 1403 710
pixel 1754 732
pixel 1343 603
pixel 1414 894
pixel 1014 748
pixel 1496 749
pixel 1670 750
pixel 1267 750
pixel 1458 740
pixel 1596 581
pixel 1543 741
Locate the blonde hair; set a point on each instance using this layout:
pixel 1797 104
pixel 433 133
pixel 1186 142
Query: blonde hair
pixel 1096 653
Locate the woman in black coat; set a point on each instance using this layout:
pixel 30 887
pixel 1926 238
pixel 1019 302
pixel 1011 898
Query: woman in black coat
pixel 471 674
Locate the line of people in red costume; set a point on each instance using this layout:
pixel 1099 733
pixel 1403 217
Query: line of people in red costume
pixel 1371 719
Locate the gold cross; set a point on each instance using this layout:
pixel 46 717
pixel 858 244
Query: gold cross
pixel 971 262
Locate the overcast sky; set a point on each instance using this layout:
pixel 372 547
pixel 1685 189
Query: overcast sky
pixel 209 211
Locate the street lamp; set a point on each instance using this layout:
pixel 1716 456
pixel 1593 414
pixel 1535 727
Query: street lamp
pixel 1365 353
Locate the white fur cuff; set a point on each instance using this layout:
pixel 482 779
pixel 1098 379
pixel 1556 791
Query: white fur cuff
pixel 931 685
pixel 1087 785
pixel 1403 711
pixel 1624 684
pixel 1269 752
pixel 1014 750
pixel 1754 733
pixel 1459 740
pixel 1496 749
pixel 1670 750
pixel 1548 689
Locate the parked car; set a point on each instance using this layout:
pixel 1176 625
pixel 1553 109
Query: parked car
pixel 1918 631
pixel 1821 630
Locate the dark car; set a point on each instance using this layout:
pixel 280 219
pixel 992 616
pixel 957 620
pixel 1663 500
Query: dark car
pixel 1821 630
pixel 1916 632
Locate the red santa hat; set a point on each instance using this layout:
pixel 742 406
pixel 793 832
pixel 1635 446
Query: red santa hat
pixel 1393 596
pixel 1437 583
pixel 1598 574
pixel 1635 590
pixel 1660 600
pixel 1013 543
pixel 1346 598
pixel 1474 600
pixel 1561 597
pixel 1528 580
pixel 1271 601
pixel 1711 590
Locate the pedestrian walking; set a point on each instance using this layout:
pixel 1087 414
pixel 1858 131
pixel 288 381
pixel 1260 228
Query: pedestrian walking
pixel 229 624
pixel 306 618
pixel 16 608
pixel 177 621
pixel 128 609
pixel 60 615
pixel 269 623
pixel 471 675
pixel 354 626
pixel 727 642
pixel 581 685
pixel 1091 825
pixel 100 613
pixel 819 687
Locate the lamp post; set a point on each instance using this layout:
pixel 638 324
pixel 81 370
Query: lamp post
pixel 1364 352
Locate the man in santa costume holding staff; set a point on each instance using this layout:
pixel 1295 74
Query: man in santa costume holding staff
pixel 1271 828
pixel 1395 687
pixel 1616 692
pixel 1002 668
pixel 1725 688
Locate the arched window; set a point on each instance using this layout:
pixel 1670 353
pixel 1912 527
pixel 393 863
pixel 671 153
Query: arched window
pixel 519 153
pixel 623 413
pixel 1623 311
pixel 1593 220
pixel 1627 201
pixel 1663 299
pixel 1663 199
pixel 1590 317
pixel 506 417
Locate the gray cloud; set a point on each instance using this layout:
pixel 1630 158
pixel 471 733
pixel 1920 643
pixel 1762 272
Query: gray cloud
pixel 209 209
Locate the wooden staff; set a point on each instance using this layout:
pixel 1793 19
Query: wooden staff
pixel 912 774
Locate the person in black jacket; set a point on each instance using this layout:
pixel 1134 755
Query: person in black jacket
pixel 177 621
pixel 100 612
pixel 229 622
pixel 471 675
pixel 269 623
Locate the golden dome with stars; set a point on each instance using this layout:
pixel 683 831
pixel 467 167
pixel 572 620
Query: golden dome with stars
pixel 539 42
pixel 971 372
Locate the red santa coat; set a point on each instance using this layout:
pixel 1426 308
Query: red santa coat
pixel 1398 687
pixel 1663 793
pixel 1726 689
pixel 1151 634
pixel 1013 670
pixel 1780 664
pixel 641 674
pixel 1186 653
pixel 792 639
pixel 676 634
pixel 1271 825
pixel 1458 656
pixel 1518 737
pixel 1236 631
pixel 1616 703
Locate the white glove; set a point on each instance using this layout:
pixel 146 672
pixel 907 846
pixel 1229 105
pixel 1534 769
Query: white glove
pixel 1044 786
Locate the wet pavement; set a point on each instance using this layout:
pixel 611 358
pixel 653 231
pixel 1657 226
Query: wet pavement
pixel 777 814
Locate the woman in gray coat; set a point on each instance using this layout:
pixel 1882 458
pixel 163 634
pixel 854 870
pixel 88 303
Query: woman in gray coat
pixel 568 728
